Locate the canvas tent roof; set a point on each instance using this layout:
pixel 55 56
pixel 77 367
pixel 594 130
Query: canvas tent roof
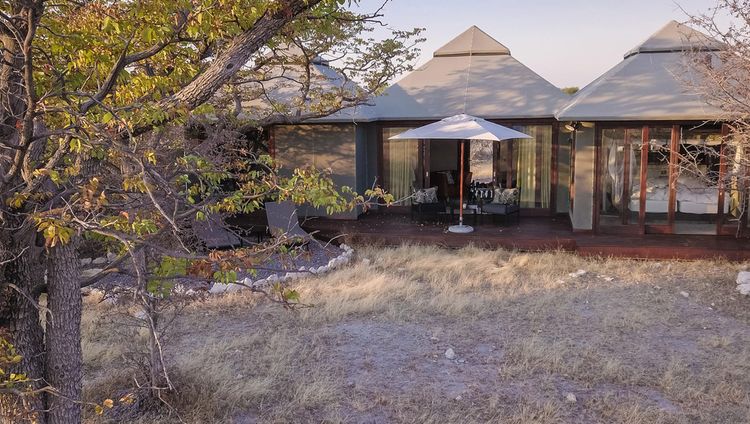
pixel 474 69
pixel 651 83
pixel 283 88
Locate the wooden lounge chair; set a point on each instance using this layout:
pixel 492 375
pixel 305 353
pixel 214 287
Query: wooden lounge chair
pixel 284 223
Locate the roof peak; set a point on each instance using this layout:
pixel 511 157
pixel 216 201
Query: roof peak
pixel 675 37
pixel 472 42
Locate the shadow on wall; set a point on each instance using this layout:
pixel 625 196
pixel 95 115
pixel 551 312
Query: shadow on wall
pixel 330 146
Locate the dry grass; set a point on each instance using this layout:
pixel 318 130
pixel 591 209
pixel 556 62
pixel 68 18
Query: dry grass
pixel 621 338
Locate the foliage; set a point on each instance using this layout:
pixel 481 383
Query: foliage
pixel 94 98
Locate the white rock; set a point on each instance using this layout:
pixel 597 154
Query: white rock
pixel 85 261
pixel 272 278
pixel 609 279
pixel 578 273
pixel 450 354
pixel 743 278
pixel 570 397
pixel 88 273
pixel 365 261
pixel 684 294
pixel 111 256
pixel 100 260
pixel 744 289
pixel 322 269
pixel 303 268
pixel 217 288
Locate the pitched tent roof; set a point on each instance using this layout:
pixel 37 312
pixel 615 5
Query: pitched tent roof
pixel 651 83
pixel 476 70
pixel 284 87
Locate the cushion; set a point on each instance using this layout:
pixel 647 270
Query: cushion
pixel 508 196
pixel 427 195
pixel 498 192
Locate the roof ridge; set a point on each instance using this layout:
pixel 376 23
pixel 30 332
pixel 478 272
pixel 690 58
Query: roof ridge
pixel 472 42
pixel 675 37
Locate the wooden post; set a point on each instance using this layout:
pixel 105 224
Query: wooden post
pixel 674 146
pixel 722 175
pixel 597 180
pixel 645 143
pixel 555 171
pixel 625 196
pixel 461 188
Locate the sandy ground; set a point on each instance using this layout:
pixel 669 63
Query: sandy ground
pixel 631 342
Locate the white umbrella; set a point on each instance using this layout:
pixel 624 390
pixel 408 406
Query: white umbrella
pixel 461 127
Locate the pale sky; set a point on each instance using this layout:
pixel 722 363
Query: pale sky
pixel 568 42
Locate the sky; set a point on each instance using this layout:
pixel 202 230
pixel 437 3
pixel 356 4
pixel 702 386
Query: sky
pixel 569 43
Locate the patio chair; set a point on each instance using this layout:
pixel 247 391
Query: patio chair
pixel 284 223
pixel 505 209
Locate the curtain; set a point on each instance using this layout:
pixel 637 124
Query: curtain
pixel 525 165
pixel 400 159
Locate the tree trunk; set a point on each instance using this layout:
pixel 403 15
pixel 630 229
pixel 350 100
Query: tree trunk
pixel 27 334
pixel 64 356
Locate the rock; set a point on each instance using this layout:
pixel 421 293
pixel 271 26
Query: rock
pixel 85 261
pixel 570 397
pixel 217 288
pixel 743 278
pixel 450 354
pixel 303 268
pixel 99 261
pixel 111 256
pixel 578 273
pixel 88 273
pixel 744 289
pixel 460 361
pixel 684 294
pixel 365 261
pixel 608 279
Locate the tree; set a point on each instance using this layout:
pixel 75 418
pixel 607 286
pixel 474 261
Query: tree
pixel 719 70
pixel 92 95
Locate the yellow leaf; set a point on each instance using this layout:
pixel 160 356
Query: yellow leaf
pixel 108 403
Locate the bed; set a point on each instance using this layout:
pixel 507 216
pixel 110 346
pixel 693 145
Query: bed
pixel 693 197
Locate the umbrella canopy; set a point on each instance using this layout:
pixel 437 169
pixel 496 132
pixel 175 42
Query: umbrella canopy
pixel 461 127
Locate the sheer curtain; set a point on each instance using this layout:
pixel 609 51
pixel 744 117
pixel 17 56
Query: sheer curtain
pixel 400 159
pixel 525 154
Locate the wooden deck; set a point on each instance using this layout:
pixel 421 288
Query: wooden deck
pixel 530 234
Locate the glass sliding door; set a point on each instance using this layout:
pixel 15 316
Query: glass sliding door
pixel 657 196
pixel 697 182
pixel 481 161
pixel 620 177
pixel 400 164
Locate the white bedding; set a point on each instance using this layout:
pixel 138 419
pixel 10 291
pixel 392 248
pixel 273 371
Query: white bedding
pixel 693 196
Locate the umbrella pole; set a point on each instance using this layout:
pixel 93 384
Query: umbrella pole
pixel 461 228
pixel 461 188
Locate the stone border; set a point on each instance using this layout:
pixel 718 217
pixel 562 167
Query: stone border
pixel 344 258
